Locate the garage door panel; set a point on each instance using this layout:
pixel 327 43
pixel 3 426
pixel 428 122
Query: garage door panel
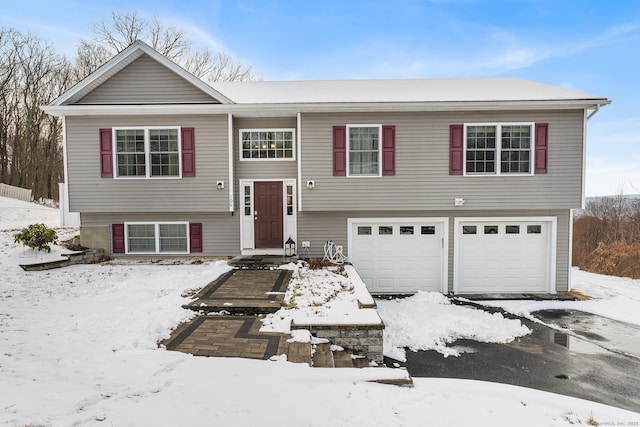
pixel 509 260
pixel 399 256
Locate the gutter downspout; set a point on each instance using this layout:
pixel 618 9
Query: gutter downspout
pixel 593 113
pixel 587 117
pixel 231 178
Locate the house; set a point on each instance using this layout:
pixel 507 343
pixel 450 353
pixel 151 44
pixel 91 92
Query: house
pixel 453 185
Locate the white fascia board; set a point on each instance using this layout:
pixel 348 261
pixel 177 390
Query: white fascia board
pixel 291 110
pixel 136 49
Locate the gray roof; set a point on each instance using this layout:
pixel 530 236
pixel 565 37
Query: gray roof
pixel 396 91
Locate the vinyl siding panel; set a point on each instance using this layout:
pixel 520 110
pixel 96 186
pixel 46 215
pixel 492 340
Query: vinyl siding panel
pixel 220 232
pixel 318 227
pixel 145 81
pixel 88 192
pixel 422 180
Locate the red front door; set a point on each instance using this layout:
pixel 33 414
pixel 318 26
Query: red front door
pixel 268 214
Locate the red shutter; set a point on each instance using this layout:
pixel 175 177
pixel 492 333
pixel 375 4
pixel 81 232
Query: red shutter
pixel 188 152
pixel 117 238
pixel 388 150
pixel 456 149
pixel 339 151
pixel 106 153
pixel 195 237
pixel 542 135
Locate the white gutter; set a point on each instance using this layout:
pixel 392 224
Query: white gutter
pixel 291 110
pixel 231 174
pixel 595 110
pixel 586 118
pixel 299 139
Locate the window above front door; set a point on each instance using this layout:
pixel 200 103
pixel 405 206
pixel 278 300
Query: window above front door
pixel 267 144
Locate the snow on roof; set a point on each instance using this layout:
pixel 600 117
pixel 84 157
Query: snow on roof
pixel 407 90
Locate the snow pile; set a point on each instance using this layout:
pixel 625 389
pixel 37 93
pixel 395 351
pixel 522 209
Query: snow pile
pixel 320 296
pixel 428 321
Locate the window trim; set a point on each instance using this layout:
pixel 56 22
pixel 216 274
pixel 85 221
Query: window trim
pixel 147 151
pixel 274 159
pixel 348 149
pixel 498 149
pixel 156 237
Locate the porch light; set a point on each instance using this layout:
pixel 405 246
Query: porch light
pixel 289 247
pixel 220 185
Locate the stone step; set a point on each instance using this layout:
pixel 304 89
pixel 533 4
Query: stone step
pixel 299 352
pixel 322 356
pixel 342 359
pixel 234 306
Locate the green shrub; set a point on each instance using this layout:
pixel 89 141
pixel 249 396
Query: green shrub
pixel 36 236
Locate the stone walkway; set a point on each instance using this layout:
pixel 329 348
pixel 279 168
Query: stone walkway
pixel 244 292
pixel 247 295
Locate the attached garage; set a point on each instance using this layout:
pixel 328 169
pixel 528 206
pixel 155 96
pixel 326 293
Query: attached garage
pixel 504 255
pixel 400 255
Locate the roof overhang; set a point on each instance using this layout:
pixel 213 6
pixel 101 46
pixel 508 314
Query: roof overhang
pixel 277 110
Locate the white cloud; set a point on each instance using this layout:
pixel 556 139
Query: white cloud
pixel 503 50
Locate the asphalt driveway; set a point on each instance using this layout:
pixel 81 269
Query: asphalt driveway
pixel 576 364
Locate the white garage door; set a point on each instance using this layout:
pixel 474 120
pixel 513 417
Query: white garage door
pixel 503 256
pixel 399 255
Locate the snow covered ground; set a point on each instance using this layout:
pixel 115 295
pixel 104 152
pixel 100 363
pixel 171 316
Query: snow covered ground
pixel 78 347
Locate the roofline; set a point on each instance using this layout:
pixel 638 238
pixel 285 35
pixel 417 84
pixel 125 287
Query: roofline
pixel 132 49
pixel 270 110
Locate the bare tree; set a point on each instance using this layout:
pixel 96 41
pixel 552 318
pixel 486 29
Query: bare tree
pixel 124 28
pixel 89 57
pixel 32 75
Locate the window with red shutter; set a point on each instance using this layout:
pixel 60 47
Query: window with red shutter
pixel 339 151
pixel 188 152
pixel 456 149
pixel 542 143
pixel 106 153
pixel 117 239
pixel 195 237
pixel 388 150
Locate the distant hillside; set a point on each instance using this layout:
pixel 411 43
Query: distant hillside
pixel 634 198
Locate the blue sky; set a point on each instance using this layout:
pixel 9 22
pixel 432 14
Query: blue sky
pixel 591 46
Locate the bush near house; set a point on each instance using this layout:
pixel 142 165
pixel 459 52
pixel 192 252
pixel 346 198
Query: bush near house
pixel 36 236
pixel 606 237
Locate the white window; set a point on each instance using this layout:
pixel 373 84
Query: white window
pixel 289 200
pixel 364 154
pixel 267 144
pixel 147 152
pixel 154 238
pixel 499 149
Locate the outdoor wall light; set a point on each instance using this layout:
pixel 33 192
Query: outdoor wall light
pixel 311 185
pixel 458 202
pixel 289 247
pixel 220 185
